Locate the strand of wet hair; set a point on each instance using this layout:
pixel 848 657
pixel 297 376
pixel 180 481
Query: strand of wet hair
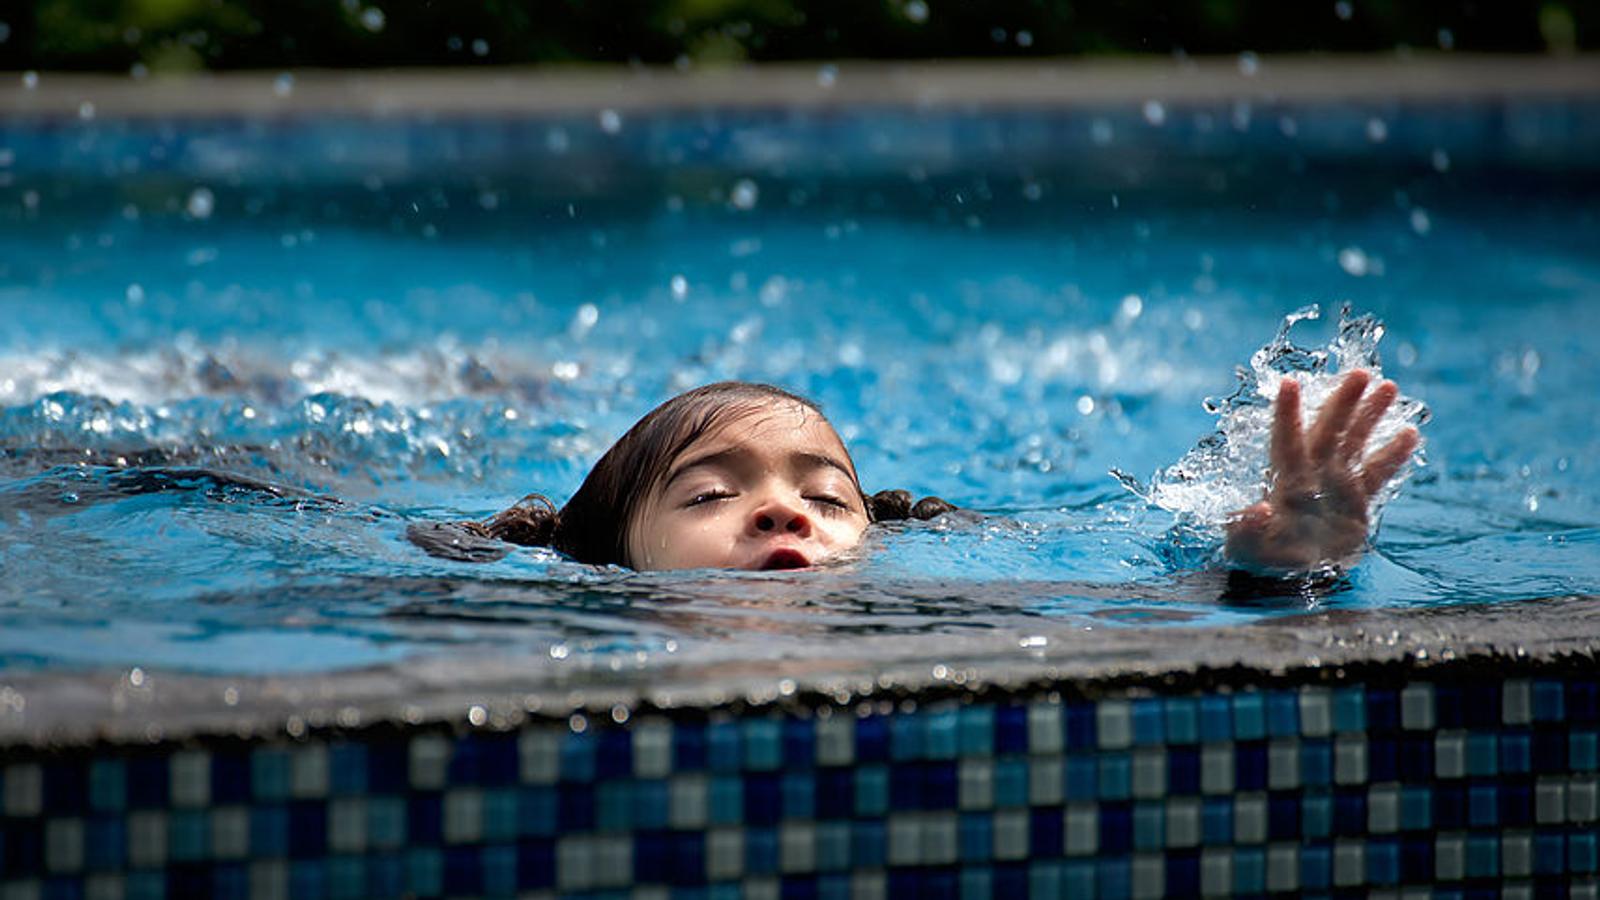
pixel 894 505
pixel 530 522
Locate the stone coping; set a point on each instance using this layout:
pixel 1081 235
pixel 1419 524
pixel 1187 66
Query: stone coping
pixel 816 86
pixel 43 710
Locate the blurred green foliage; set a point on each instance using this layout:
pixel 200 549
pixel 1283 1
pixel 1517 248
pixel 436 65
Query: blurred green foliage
pixel 227 34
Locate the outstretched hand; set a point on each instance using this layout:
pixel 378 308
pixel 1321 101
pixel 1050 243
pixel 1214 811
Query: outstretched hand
pixel 1320 481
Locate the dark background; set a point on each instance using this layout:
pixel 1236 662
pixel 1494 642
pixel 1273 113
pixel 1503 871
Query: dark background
pixel 183 35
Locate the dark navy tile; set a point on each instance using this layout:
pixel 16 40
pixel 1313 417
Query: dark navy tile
pixel 1010 880
pixel 308 829
pixel 1416 758
pixel 836 793
pixel 687 858
pixel 1549 853
pixel 798 887
pixel 1449 805
pixel 868 844
pixel 760 851
pixel 1350 813
pixel 536 864
pixel 904 882
pixel 231 880
pixel 1516 805
pixel 147 782
pixel 575 809
pixel 189 880
pixel 1183 874
pixel 1550 750
pixel 1482 705
pixel 1283 815
pixel 1250 766
pixel 388 767
pixel 1449 710
pixel 21 848
pixel 1116 828
pixel 230 777
pixel 1383 710
pixel 1080 725
pixel 940 785
pixel 905 787
pixel 613 754
pixel 1183 770
pixel 1383 759
pixel 1583 701
pixel 652 856
pixel 763 798
pixel 688 746
pixel 66 788
pixel 463 872
pixel 347 769
pixel 799 743
pixel 872 739
pixel 1483 805
pixel 386 875
pixel 1045 832
pixel 1010 729
pixel 1416 860
pixel 941 884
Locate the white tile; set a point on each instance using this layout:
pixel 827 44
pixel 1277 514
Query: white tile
pixel 1045 777
pixel 1516 702
pixel 1114 724
pixel 613 860
pixel 1582 891
pixel 230 832
pixel 1550 801
pixel 975 783
pixel 1283 765
pixel 650 892
pixel 869 885
pixel 797 847
pixel 1349 863
pixel 905 839
pixel 1416 893
pixel 24 790
pixel 1581 799
pixel 1450 754
pixel 688 801
pixel 1183 822
pixel 1449 857
pixel 1216 768
pixel 430 755
pixel 147 839
pixel 308 771
pixel 836 740
pixel 63 845
pixel 1250 818
pixel 724 853
pixel 1283 868
pixel 1045 731
pixel 463 816
pixel 189 779
pixel 1516 854
pixel 1416 707
pixel 1383 809
pixel 539 755
pixel 1316 712
pixel 269 880
pixel 1149 876
pixel 1149 773
pixel 940 840
pixel 1216 872
pixel 1081 828
pixel 1383 894
pixel 1516 892
pixel 1350 759
pixel 652 748
pixel 20 890
pixel 575 863
pixel 347 824
pixel 104 887
pixel 763 888
pixel 1011 834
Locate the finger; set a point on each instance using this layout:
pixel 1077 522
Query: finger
pixel 1382 465
pixel 1366 419
pixel 1288 449
pixel 1335 414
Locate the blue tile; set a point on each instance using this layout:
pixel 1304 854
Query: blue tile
pixel 1011 729
pixel 269 831
pixel 872 791
pixel 1316 867
pixel 613 805
pixel 1483 753
pixel 1216 821
pixel 1283 713
pixel 868 844
pixel 1249 870
pixel 188 835
pixel 1483 806
pixel 1082 777
pixel 1183 875
pixel 723 753
pixel 905 737
pixel 1383 710
pixel 977 730
pixel 145 886
pixel 1349 709
pixel 976 837
pixel 872 739
pixel 1216 719
pixel 1249 716
pixel 230 880
pixel 537 811
pixel 1549 701
pixel 498 864
pixel 1045 833
pixel 1416 859
pixel 941 739
pixel 1383 862
pixel 1077 879
pixel 1516 753
pixel 1483 855
pixel 577 758
pixel 652 804
pixel 1116 776
pixel 837 887
pixel 105 843
pixel 1010 782
pixel 725 799
pixel 1149 721
pixel 833 846
pixel 1316 815
pixel 269 775
pixel 1183 720
pixel 799 792
pixel 1283 815
pixel 1416 808
pixel 1080 726
pixel 1316 763
pixel 1516 805
pixel 108 785
pixel 1250 766
pixel 799 743
pixel 424 872
pixel 1149 826
pixel 1183 770
pixel 1583 751
pixel 763 744
pixel 1582 854
pixel 1116 829
pixel 1549 853
pixel 347 769
pixel 763 799
pixel 689 749
pixel 836 793
pixel 147 782
pixel 1113 879
pixel 308 878
pixel 760 851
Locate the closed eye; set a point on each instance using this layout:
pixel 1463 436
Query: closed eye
pixel 829 501
pixel 705 497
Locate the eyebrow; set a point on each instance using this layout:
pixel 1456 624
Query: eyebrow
pixel 734 454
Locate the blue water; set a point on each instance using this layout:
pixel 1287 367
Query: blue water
pixel 238 359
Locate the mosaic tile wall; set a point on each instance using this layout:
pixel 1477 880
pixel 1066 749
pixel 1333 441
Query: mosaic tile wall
pixel 1430 789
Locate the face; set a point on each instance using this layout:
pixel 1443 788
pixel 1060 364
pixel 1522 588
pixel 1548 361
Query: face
pixel 771 489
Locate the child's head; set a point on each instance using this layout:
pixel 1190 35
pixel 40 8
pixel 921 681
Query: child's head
pixel 729 475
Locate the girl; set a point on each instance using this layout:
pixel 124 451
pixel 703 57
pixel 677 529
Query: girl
pixel 748 476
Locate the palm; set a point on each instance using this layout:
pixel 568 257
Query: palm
pixel 1321 481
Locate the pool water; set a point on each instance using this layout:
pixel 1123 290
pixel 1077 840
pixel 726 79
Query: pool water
pixel 237 361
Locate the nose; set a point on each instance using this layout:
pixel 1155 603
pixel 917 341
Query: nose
pixel 779 517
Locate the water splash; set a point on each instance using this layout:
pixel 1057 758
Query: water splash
pixel 1226 470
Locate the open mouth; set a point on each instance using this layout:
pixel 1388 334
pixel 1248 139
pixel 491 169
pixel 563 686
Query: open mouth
pixel 785 559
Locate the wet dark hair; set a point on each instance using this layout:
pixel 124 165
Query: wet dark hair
pixel 593 526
